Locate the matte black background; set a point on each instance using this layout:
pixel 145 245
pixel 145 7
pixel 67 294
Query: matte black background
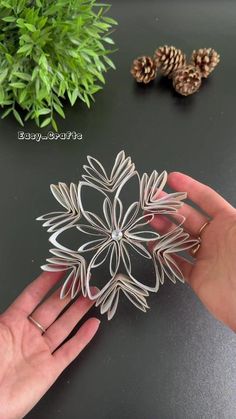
pixel 175 362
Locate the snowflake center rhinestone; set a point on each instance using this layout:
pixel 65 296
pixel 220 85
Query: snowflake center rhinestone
pixel 117 235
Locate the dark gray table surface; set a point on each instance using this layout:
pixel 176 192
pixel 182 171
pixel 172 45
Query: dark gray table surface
pixel 175 362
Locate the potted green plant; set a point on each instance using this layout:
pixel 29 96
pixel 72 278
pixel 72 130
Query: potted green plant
pixel 51 50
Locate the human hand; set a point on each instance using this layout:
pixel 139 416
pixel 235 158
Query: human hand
pixel 213 276
pixel 30 361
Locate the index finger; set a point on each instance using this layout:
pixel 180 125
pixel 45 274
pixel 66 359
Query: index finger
pixel 202 195
pixel 32 295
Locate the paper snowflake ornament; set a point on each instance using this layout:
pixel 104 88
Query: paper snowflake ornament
pixel 116 233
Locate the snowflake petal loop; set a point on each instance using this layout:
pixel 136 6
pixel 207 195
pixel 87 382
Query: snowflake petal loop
pixel 97 176
pixel 152 197
pixel 174 242
pixel 67 198
pixel 67 260
pixel 108 300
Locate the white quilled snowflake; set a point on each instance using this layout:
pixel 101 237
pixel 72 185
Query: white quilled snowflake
pixel 116 235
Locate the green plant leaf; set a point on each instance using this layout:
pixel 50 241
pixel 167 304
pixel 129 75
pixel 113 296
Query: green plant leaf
pixel 31 27
pixel 23 76
pixel 22 96
pixel 59 110
pixel 10 59
pixel 54 125
pixel 6 4
pixel 86 99
pixel 110 20
pixel 3 75
pixel 73 96
pixel 9 19
pixel 108 40
pixel 7 111
pixel 46 122
pixel 34 73
pixel 43 61
pixel 18 85
pixel 17 116
pixel 97 74
pixel 43 111
pixel 25 48
pixel 50 51
pixel 109 62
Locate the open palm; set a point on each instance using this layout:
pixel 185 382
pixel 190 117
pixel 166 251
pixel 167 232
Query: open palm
pixel 30 360
pixel 213 275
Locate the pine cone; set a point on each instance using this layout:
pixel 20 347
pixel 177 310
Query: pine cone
pixel 187 80
pixel 169 59
pixel 205 60
pixel 144 69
